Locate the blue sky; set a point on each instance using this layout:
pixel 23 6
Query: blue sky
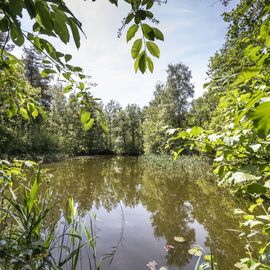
pixel 193 31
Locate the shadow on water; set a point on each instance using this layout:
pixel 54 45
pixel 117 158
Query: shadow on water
pixel 141 207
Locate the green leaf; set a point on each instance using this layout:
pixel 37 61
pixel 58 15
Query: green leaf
pixel 153 48
pixel 32 196
pixel 45 72
pixel 137 19
pixel 60 27
pixel 12 110
pixel 86 120
pixel 48 47
pixel 16 35
pixel 252 208
pixel 32 108
pixel 75 31
pixel 136 64
pixel 68 88
pixel 136 48
pixel 24 113
pixel 148 31
pixel 88 124
pixel 102 122
pixel 149 14
pixel 249 105
pixel 246 75
pixel 4 24
pixel 85 117
pixel 142 14
pixel 44 15
pixel 68 57
pixel 149 4
pixel 132 31
pixel 256 189
pixel 137 61
pixel 30 6
pixel 81 86
pixel 71 207
pixel 142 62
pixel 35 113
pixel 150 64
pixel 46 62
pixel 129 18
pixel 264 32
pixel 261 118
pixel 81 76
pixel 196 131
pixel 158 34
pixel 16 7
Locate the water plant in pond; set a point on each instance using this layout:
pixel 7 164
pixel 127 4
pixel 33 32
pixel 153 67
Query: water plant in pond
pixel 27 242
pixel 204 261
pixel 208 260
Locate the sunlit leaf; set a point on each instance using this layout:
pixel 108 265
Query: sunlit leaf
pixel 150 64
pixel 153 48
pixel 131 32
pixel 195 251
pixel 24 113
pixel 261 118
pixel 85 117
pixel 148 31
pixel 158 34
pixel 136 48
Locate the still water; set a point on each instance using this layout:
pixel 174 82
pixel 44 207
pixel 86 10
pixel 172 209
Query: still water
pixel 140 208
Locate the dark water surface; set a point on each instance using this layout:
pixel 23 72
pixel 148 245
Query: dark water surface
pixel 140 208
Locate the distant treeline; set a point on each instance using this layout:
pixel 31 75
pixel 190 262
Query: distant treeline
pixel 129 131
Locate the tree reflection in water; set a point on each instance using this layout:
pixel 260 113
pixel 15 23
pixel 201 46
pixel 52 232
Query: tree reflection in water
pixel 174 198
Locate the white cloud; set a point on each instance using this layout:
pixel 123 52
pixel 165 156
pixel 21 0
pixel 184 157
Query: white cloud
pixel 193 33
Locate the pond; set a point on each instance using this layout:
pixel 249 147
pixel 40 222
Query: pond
pixel 141 207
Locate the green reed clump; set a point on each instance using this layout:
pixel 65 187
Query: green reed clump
pixel 25 241
pixel 187 167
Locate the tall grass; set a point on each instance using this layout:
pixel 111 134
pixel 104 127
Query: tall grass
pixel 189 167
pixel 25 241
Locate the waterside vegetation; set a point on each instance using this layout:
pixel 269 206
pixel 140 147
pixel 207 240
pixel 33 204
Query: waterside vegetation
pixel 229 125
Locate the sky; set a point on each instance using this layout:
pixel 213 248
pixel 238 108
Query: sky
pixel 193 29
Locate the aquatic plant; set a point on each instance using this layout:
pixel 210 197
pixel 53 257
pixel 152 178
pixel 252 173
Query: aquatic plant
pixel 27 242
pixel 191 167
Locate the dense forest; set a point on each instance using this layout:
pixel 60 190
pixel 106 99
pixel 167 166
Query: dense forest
pixel 131 130
pixel 47 110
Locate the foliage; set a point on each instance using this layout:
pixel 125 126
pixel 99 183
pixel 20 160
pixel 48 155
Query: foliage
pixel 238 136
pixel 257 221
pixel 190 166
pixel 209 260
pixel 26 241
pixel 33 67
pixel 108 129
pixel 55 19
pixel 236 133
pixel 201 110
pixel 59 131
pixel 168 108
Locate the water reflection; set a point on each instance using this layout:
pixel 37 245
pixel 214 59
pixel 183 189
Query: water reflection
pixel 156 205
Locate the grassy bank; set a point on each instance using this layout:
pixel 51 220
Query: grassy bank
pixel 191 166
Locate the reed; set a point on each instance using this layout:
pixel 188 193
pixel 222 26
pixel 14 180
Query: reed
pixel 27 242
